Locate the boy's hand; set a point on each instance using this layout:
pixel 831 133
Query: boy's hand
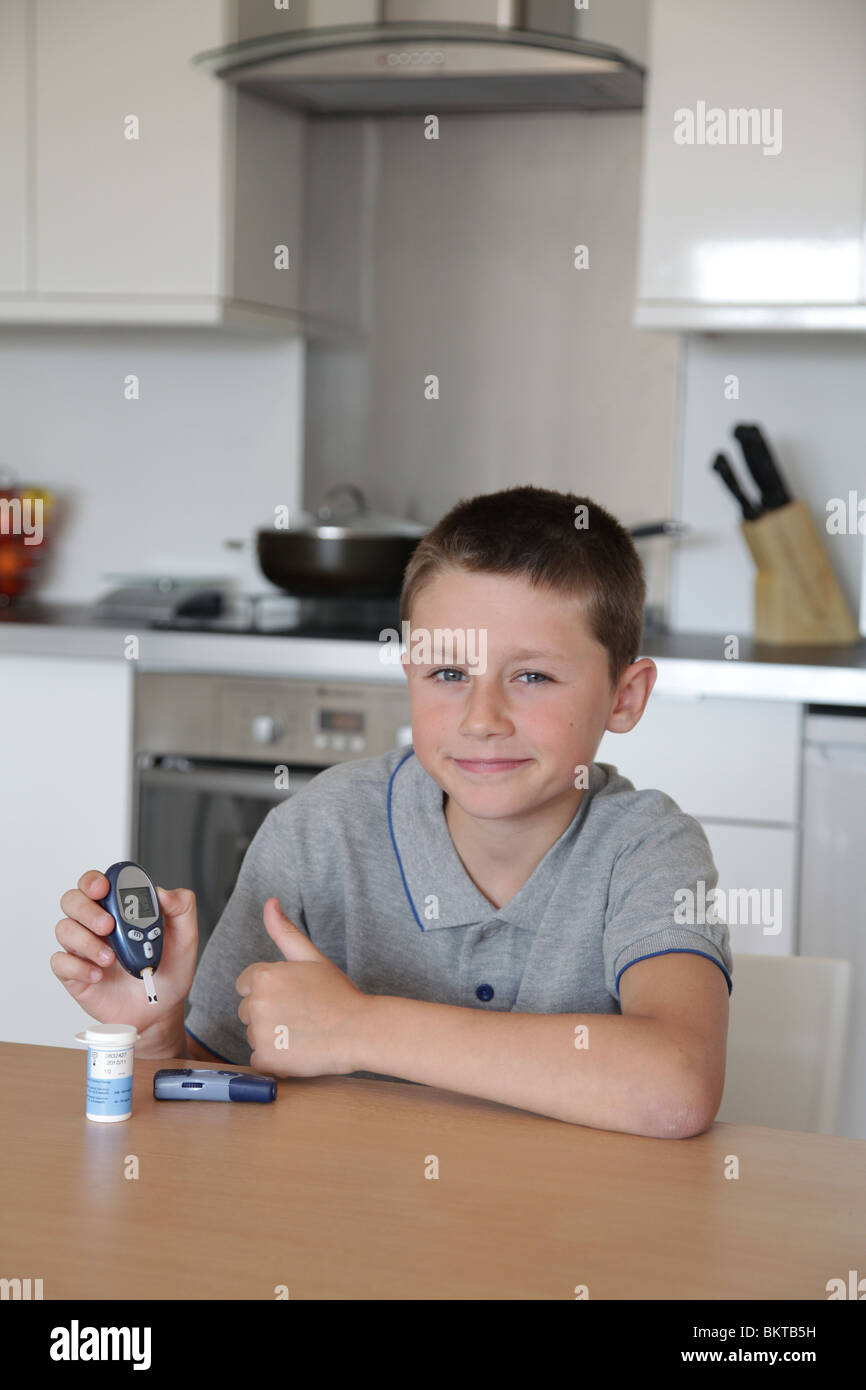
pixel 101 986
pixel 305 998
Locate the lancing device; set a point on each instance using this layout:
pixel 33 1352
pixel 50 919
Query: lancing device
pixel 197 1083
pixel 138 932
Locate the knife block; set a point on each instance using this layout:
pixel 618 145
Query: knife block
pixel 797 596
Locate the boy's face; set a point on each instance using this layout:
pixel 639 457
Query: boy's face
pixel 507 741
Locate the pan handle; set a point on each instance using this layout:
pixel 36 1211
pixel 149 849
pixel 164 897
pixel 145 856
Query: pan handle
pixel 660 528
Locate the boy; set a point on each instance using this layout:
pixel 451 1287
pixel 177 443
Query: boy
pixel 488 911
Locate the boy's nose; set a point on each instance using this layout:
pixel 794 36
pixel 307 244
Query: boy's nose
pixel 484 711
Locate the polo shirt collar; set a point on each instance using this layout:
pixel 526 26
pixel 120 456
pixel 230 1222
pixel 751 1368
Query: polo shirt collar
pixel 434 879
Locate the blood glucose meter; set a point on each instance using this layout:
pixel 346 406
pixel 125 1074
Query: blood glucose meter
pixel 138 932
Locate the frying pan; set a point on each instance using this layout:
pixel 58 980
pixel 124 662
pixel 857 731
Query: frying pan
pixel 347 551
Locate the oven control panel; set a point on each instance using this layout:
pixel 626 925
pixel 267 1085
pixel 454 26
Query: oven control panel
pixel 262 719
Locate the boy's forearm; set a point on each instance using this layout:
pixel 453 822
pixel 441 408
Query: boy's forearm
pixel 633 1076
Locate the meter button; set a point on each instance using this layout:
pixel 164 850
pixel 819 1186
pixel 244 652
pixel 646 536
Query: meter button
pixel 148 949
pixel 152 935
pixel 135 935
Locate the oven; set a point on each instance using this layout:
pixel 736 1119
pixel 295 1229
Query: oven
pixel 214 754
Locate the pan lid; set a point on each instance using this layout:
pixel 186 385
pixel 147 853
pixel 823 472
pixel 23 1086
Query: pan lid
pixel 344 512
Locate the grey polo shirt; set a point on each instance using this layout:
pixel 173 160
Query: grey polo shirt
pixel 363 862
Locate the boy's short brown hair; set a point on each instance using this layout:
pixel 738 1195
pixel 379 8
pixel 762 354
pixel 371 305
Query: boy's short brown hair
pixel 538 533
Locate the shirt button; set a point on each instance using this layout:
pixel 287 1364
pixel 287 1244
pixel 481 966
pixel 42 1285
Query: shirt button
pixel 484 992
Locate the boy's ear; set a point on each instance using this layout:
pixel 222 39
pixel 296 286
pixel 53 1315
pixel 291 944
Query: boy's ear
pixel 633 692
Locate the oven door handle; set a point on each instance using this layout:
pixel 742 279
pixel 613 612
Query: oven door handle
pixel 229 781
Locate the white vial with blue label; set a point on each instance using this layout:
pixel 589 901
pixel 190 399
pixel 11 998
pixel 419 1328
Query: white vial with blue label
pixel 110 1056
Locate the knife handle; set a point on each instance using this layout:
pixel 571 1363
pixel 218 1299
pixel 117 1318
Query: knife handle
pixel 762 466
pixel 751 512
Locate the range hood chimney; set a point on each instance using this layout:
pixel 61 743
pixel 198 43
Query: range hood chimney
pixel 396 56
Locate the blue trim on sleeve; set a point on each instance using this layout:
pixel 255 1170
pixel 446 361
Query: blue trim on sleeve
pixel 674 951
pixel 410 754
pixel 202 1043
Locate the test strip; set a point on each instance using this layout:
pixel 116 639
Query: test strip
pixel 147 976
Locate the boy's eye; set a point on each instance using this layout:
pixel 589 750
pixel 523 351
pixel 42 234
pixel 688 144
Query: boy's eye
pixel 453 671
pixel 446 671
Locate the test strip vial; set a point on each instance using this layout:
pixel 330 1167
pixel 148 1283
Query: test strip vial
pixel 110 1056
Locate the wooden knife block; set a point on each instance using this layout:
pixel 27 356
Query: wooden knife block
pixel 797 596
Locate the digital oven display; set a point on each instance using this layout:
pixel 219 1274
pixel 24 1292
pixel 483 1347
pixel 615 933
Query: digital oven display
pixel 342 721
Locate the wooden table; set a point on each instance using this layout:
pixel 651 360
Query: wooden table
pixel 324 1191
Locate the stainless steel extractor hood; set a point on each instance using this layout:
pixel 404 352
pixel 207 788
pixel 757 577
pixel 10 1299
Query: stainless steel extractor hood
pixel 418 56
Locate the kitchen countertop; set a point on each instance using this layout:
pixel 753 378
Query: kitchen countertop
pixel 689 663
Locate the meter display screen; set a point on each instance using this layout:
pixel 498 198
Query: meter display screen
pixel 136 903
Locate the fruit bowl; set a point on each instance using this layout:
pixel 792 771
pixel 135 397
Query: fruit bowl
pixel 25 522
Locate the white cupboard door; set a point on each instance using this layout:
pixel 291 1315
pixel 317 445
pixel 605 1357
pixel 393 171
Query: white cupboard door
pixel 758 879
pixel 723 759
pixel 117 215
pixel 727 223
pixel 65 803
pixel 15 99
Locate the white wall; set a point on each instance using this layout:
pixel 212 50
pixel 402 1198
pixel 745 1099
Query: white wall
pixel 211 446
pixel 806 392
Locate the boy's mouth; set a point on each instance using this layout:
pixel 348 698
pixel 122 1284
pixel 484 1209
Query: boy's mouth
pixel 486 766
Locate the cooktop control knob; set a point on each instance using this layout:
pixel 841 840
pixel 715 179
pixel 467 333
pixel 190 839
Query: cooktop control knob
pixel 267 729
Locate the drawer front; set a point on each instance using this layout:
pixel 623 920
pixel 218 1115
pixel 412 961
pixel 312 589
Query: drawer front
pixel 722 759
pixel 757 867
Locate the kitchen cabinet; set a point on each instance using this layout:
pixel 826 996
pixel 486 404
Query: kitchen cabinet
pixel 14 146
pixel 752 860
pixel 758 223
pixel 66 807
pixel 720 759
pixel 735 765
pixel 178 225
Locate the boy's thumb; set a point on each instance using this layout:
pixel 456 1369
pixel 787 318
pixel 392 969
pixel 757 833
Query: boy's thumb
pixel 177 903
pixel 284 934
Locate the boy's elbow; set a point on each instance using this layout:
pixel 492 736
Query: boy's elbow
pixel 687 1124
pixel 678 1116
pixel 683 1108
pixel 692 1109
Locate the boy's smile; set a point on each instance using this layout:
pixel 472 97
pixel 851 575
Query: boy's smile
pixel 507 743
pixel 488 765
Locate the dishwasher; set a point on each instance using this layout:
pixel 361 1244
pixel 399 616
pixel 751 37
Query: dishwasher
pixel 833 875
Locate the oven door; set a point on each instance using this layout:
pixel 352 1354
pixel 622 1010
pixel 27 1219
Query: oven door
pixel 194 820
